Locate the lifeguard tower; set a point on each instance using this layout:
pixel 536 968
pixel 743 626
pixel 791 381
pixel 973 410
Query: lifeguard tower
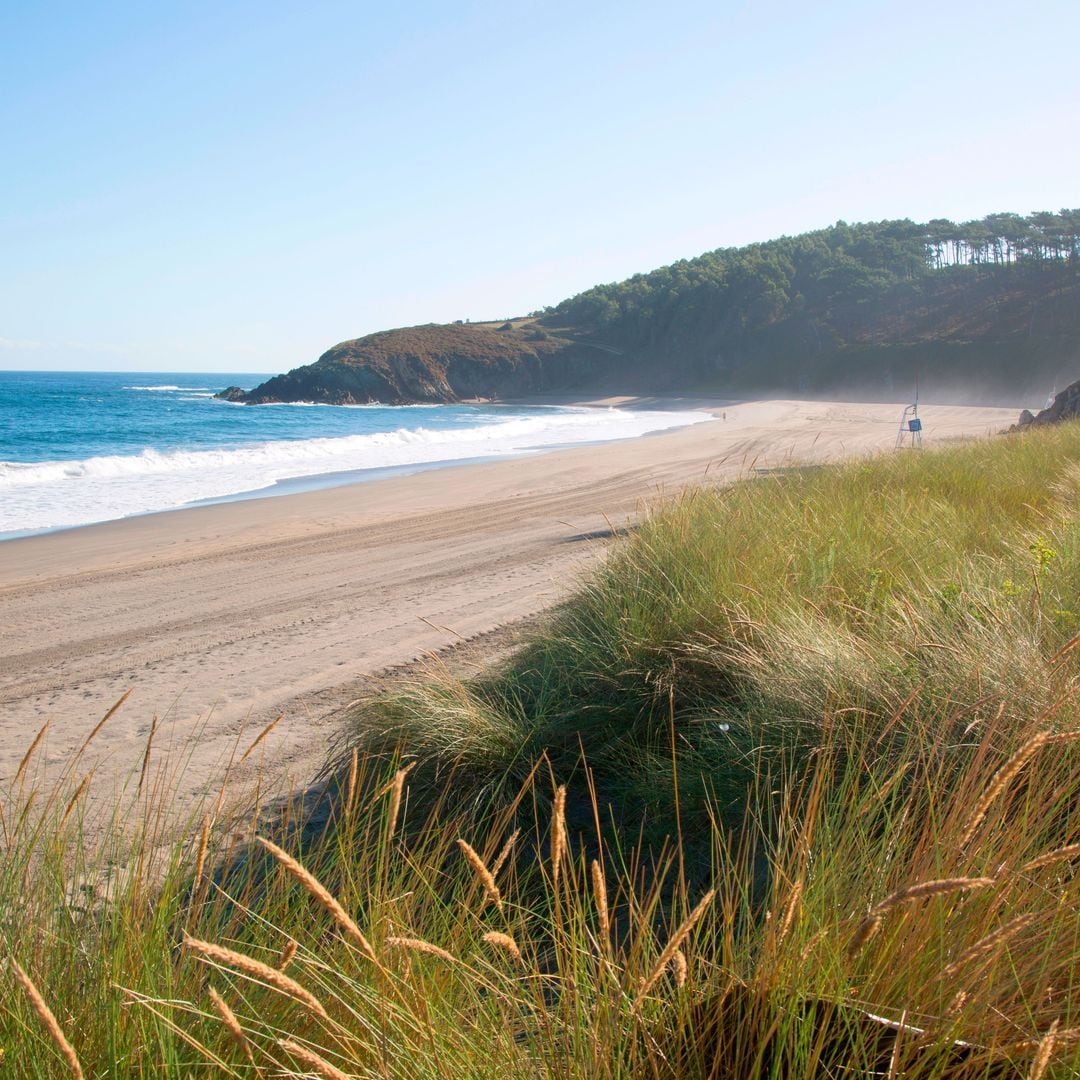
pixel 909 437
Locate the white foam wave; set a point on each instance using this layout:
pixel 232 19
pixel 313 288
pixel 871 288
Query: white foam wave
pixel 52 494
pixel 166 388
pixel 330 405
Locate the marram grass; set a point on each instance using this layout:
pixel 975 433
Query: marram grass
pixel 789 789
pixel 904 596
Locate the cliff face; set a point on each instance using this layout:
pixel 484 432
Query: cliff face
pixel 440 363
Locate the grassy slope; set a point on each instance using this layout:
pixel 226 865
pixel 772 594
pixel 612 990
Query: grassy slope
pixel 826 687
pixel 744 615
pixel 439 363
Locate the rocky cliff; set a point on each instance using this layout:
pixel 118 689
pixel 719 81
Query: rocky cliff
pixel 441 363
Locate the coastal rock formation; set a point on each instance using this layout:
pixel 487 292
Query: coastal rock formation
pixel 435 364
pixel 1065 406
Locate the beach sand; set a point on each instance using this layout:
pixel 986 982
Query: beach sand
pixel 221 618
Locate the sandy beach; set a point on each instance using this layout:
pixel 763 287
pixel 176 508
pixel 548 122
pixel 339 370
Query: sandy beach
pixel 221 618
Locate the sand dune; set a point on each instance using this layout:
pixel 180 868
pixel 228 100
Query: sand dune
pixel 223 617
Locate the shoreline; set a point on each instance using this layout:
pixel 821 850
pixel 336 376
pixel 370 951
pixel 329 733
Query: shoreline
pixel 222 617
pixel 343 477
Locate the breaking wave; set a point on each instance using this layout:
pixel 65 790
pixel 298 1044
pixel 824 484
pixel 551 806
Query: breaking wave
pixel 53 494
pixel 165 389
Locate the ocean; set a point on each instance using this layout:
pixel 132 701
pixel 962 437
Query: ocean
pixel 84 447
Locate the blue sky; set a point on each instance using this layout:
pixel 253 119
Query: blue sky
pixel 236 187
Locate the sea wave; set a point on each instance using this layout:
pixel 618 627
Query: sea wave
pixel 167 388
pixel 353 405
pixel 52 494
pixel 335 405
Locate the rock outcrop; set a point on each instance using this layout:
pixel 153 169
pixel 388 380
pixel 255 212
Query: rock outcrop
pixel 1065 406
pixel 436 364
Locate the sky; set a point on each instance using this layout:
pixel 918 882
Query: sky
pixel 236 187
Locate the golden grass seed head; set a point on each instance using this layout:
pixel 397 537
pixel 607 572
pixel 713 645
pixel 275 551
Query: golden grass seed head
pixel 864 932
pixel 204 844
pixel 1001 780
pixel 1069 851
pixel 261 736
pixel 396 792
pixel 351 786
pixel 313 1061
pixel 988 943
pixel 675 943
pixel 504 854
pixel 790 910
pixel 288 953
pixel 558 832
pixel 924 889
pixel 679 967
pixel 487 879
pixel 30 752
pixel 228 1018
pixel 257 970
pixel 600 898
pixel 321 893
pixel 504 942
pixel 74 799
pixel 1044 1053
pixel 48 1020
pixel 421 946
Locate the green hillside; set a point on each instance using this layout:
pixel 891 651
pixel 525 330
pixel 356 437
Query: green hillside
pixel 994 300
pixel 982 310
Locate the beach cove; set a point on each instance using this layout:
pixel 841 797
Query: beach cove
pixel 221 618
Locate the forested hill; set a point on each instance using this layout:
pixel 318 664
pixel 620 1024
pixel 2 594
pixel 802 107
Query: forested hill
pixel 982 309
pixel 995 302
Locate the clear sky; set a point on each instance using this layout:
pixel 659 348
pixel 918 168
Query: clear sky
pixel 236 187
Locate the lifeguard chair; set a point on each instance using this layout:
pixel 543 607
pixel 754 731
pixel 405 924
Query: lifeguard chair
pixel 910 434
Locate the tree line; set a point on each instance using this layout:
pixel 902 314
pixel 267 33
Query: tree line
pixel 831 279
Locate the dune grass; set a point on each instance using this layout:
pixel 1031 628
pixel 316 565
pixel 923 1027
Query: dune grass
pixel 789 788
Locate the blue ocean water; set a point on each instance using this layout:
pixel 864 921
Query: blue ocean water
pixel 82 447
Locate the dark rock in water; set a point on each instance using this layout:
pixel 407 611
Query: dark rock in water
pixel 1026 416
pixel 232 393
